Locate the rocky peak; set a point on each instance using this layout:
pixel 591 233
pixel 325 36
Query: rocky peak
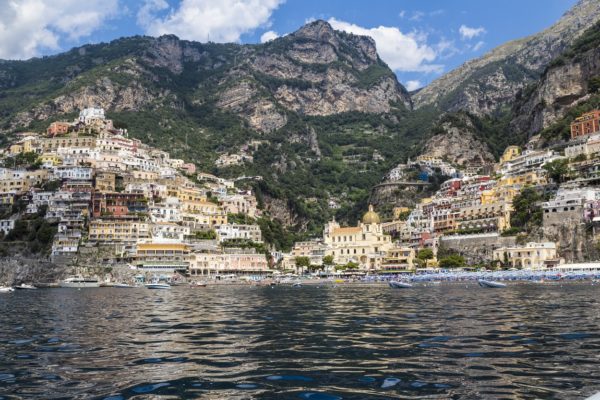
pixel 483 85
pixel 318 30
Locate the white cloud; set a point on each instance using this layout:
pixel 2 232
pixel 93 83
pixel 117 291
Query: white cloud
pixel 268 36
pixel 28 27
pixel 470 33
pixel 402 13
pixel 412 85
pixel 215 20
pixel 417 16
pixel 478 45
pixel 402 52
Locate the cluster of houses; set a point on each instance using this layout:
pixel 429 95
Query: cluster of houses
pixel 120 198
pixel 471 206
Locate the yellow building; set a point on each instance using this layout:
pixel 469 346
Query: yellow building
pixel 530 256
pixel 492 217
pixel 510 153
pixel 365 244
pixel 21 181
pixel 7 198
pixel 51 144
pixel 162 257
pixel 527 178
pixel 399 259
pixel 118 231
pixel 52 159
pixel 214 214
pixel 105 182
pixel 398 211
pixel 24 146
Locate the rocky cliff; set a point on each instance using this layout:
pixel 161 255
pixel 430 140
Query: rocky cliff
pixel 570 80
pixel 482 85
pixel 455 141
pixel 315 71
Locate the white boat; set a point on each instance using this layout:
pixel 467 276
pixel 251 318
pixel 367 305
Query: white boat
pixel 158 285
pixel 297 284
pixel 400 285
pixel 491 284
pixel 80 282
pixel 122 286
pixel 25 286
pixel 6 289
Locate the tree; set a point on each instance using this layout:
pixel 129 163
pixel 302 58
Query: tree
pixel 328 260
pixel 527 213
pixel 452 261
pixel 425 254
pixel 557 169
pixel 302 262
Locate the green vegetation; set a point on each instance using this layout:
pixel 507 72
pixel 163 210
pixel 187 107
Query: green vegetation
pixel 33 231
pixel 423 255
pixel 205 235
pixel 452 261
pixel 557 169
pixel 528 212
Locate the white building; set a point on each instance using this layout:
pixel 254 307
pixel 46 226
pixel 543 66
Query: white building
pixel 167 211
pixel 88 115
pixel 239 231
pixel 81 173
pixel 7 225
pixel 169 231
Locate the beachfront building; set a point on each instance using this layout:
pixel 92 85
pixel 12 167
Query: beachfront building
pixel 399 259
pixel 162 257
pixel 530 256
pixel 365 244
pixel 241 262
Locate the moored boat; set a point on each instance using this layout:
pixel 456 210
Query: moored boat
pixel 158 285
pixel 6 289
pixel 490 284
pixel 25 286
pixel 123 286
pixel 79 282
pixel 400 285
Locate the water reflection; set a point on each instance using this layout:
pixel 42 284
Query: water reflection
pixel 313 343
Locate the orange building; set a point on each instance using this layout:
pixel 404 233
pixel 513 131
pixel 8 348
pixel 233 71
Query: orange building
pixel 586 124
pixel 58 128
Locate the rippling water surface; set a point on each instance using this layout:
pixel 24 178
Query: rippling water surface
pixel 317 343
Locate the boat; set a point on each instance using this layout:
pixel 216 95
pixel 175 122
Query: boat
pixel 158 285
pixel 123 286
pixel 297 284
pixel 490 284
pixel 6 289
pixel 80 282
pixel 25 286
pixel 197 284
pixel 400 285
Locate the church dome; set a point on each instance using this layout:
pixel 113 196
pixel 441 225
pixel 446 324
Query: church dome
pixel 370 217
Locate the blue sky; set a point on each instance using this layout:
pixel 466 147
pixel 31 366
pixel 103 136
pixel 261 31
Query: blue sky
pixel 420 40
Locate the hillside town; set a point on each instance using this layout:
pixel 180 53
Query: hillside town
pixel 113 200
pixel 472 220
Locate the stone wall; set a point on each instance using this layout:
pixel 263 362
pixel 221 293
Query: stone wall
pixel 476 248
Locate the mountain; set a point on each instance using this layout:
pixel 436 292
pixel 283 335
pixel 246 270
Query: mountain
pixel 316 113
pixel 315 71
pixel 567 88
pixel 486 84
